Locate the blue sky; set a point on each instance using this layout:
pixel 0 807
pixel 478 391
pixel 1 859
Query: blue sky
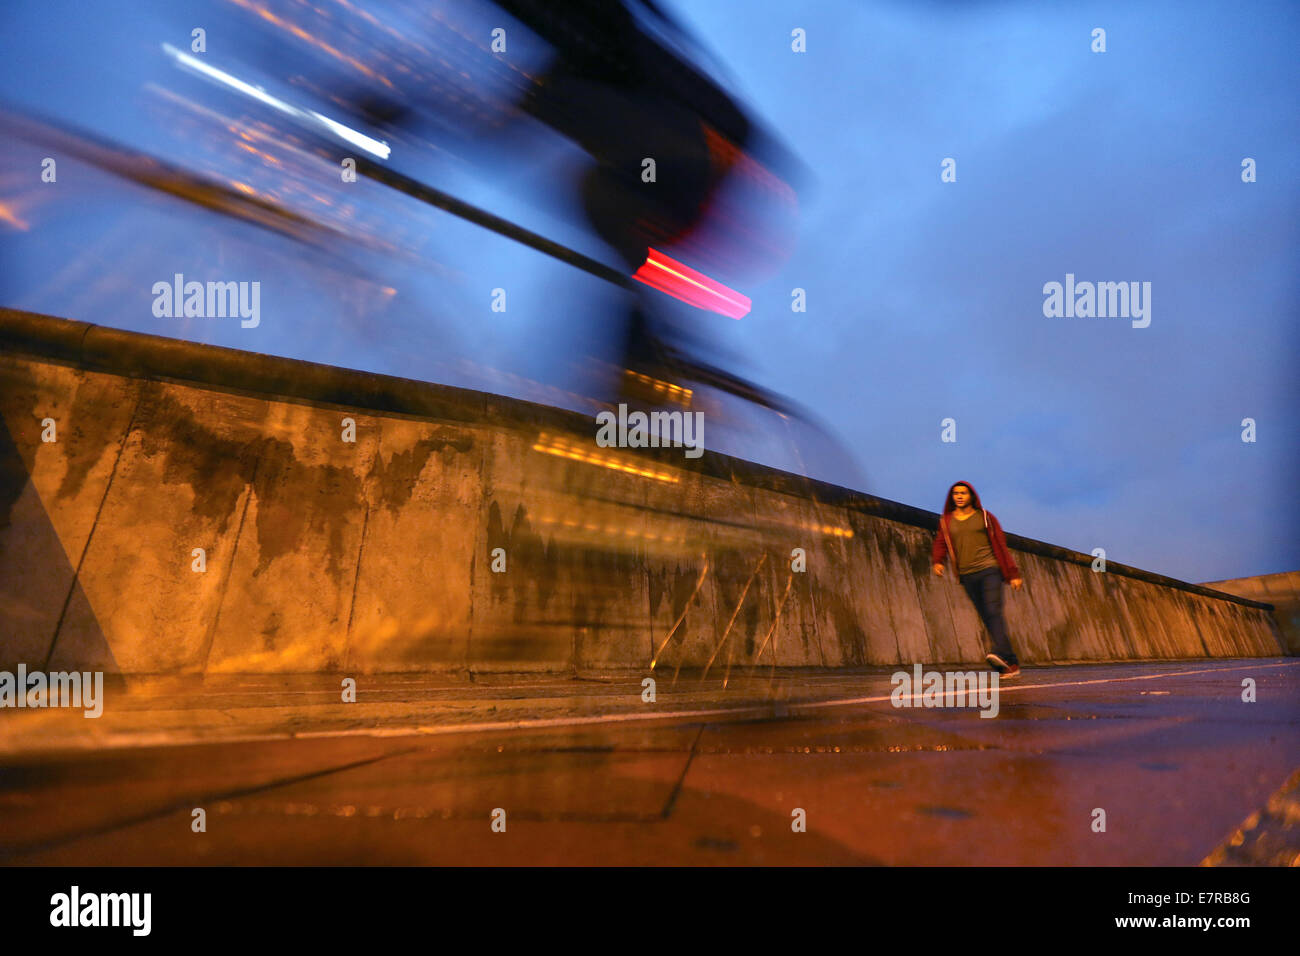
pixel 924 298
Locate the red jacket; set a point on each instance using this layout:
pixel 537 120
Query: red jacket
pixel 943 545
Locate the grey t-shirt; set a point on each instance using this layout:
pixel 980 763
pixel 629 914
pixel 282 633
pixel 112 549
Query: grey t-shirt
pixel 970 539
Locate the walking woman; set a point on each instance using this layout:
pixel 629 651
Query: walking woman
pixel 981 561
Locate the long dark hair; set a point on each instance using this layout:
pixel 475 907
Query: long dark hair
pixel 950 505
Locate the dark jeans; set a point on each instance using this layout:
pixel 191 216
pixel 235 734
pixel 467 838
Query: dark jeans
pixel 984 588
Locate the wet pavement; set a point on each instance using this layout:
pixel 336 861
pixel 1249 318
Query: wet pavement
pixel 804 769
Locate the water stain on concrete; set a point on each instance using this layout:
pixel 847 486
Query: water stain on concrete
pixel 84 420
pixel 294 499
pixel 394 480
pixel 532 563
pixel 13 476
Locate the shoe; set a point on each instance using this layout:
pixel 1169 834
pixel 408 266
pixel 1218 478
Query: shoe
pixel 1011 673
pixel 997 663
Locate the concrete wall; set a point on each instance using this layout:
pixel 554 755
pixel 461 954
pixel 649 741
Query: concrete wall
pixel 1280 590
pixel 375 555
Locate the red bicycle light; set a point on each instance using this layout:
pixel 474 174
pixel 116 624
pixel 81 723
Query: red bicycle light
pixel 682 282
